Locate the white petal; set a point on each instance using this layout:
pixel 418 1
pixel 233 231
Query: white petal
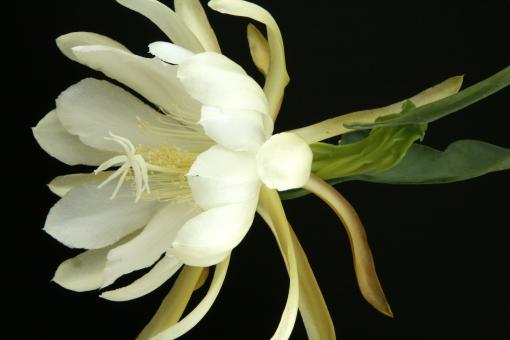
pixel 61 185
pixel 83 272
pixel 277 77
pixel 204 239
pixel 59 143
pixel 145 249
pixel 170 53
pixel 68 41
pixel 220 176
pixel 150 77
pixel 161 272
pixel 234 129
pixel 194 317
pixel 93 108
pixel 284 162
pixel 215 80
pixel 193 15
pixel 86 271
pixel 86 217
pixel 167 20
pixel 218 61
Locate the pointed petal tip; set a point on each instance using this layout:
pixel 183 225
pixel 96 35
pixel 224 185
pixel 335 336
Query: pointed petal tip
pixel 380 304
pixel 387 311
pixel 104 296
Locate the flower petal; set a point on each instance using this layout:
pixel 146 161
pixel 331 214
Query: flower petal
pixel 284 162
pixel 193 15
pixel 86 217
pixel 215 80
pixel 208 238
pixel 145 249
pixel 238 130
pixel 167 20
pixel 170 53
pixel 61 185
pixel 197 314
pixel 161 272
pixel 93 108
pixel 59 143
pixel 68 41
pixel 220 176
pixel 277 77
pixel 152 78
pixel 83 272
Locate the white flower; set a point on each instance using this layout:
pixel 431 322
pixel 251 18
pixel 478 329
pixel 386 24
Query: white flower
pixel 189 172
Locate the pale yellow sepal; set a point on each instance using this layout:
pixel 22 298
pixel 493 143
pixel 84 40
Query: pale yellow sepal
pixel 364 266
pixel 271 201
pixel 193 15
pixel 335 126
pixel 259 49
pixel 312 306
pixel 174 304
pixel 198 313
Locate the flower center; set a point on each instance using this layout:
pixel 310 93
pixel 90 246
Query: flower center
pixel 168 167
pixel 164 167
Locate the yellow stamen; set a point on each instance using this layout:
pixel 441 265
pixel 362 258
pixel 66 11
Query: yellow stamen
pixel 168 167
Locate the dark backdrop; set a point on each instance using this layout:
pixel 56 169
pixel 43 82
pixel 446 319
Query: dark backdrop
pixel 441 251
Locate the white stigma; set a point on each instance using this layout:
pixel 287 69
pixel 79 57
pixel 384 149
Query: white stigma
pixel 125 162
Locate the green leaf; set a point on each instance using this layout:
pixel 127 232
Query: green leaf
pixel 460 161
pixel 382 149
pixel 354 136
pixel 438 109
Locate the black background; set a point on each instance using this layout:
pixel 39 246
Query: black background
pixel 441 251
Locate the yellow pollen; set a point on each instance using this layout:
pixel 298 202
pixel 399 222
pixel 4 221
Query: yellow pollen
pixel 168 167
pixel 168 157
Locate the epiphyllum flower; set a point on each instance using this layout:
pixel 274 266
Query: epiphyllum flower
pixel 178 186
pixel 178 182
pixel 197 200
